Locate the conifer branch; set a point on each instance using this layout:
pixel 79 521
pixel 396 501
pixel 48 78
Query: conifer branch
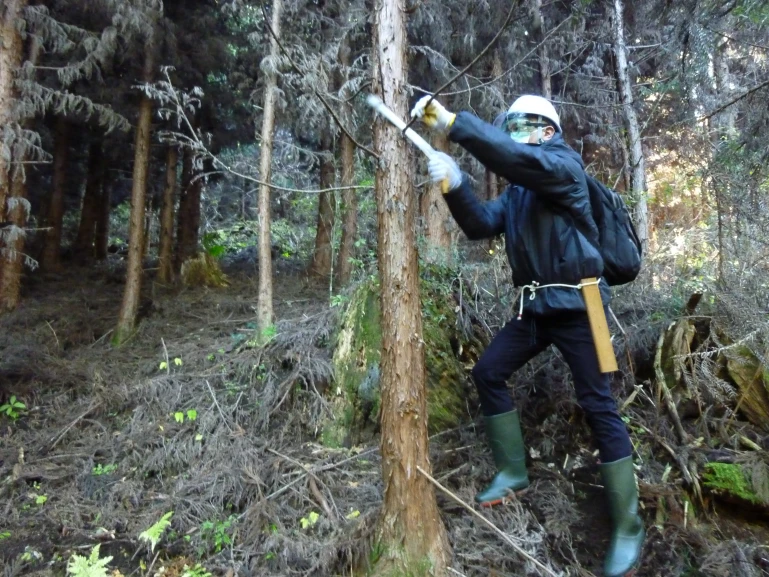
pixel 328 107
pixel 472 63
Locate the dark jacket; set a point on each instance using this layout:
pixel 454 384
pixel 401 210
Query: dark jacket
pixel 545 214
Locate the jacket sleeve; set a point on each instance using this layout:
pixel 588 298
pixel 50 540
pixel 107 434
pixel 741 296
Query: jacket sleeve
pixel 555 177
pixel 476 219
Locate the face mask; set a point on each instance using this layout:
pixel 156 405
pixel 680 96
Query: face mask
pixel 521 136
pixel 519 127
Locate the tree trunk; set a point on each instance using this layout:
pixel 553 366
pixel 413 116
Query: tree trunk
pixel 264 307
pixel 538 27
pixel 182 217
pixel 13 251
pixel 51 257
pixel 638 172
pixel 149 209
pixel 166 250
pixel 102 216
pixel 11 54
pixel 436 216
pixel 493 182
pixel 12 261
pixel 410 532
pixel 88 214
pixel 349 197
pixel 323 255
pixel 130 306
pixel 188 229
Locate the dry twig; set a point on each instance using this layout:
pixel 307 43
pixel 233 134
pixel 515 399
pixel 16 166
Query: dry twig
pixel 491 525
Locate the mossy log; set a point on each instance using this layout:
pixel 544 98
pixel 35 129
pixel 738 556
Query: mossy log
pixel 743 485
pixel 752 379
pixel 355 395
pixel 680 363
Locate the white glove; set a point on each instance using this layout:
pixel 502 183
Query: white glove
pixel 434 115
pixel 443 169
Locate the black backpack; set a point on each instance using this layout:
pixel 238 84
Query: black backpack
pixel 618 241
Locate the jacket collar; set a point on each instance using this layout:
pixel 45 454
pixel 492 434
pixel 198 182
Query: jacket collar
pixel 558 144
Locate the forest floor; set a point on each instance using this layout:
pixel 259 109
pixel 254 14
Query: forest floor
pixel 192 417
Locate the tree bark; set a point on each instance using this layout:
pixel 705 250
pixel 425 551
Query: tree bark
pixel 436 217
pixel 410 531
pixel 11 54
pixel 12 261
pixel 323 255
pixel 130 306
pixel 181 217
pixel 51 257
pixel 637 168
pixel 13 249
pixel 166 250
pixel 264 314
pixel 538 27
pixel 188 230
pixel 349 197
pixel 101 241
pixel 89 212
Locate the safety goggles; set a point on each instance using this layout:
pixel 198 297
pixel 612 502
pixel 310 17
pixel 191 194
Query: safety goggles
pixel 520 126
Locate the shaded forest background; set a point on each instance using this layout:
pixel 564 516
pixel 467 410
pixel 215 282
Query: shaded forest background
pixel 189 230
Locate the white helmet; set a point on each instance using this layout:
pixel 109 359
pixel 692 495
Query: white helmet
pixel 536 106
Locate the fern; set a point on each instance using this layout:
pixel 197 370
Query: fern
pixel 154 533
pixel 90 566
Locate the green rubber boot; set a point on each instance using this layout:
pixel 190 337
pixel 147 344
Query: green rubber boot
pixel 628 531
pixel 506 442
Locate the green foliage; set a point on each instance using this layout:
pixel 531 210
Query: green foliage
pixel 13 409
pixel 197 571
pixel 213 245
pixel 100 469
pixel 191 415
pixel 155 532
pixel 217 534
pixel 310 520
pixel 5 535
pixel 91 566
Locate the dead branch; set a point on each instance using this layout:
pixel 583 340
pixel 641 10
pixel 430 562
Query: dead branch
pixel 491 525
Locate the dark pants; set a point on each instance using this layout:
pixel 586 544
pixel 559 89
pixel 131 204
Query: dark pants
pixel 521 340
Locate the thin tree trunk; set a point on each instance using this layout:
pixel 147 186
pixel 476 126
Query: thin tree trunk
pixel 188 229
pixel 13 251
pixel 436 216
pixel 350 211
pixel 101 241
pixel 148 210
pixel 323 255
pixel 88 214
pixel 264 314
pixel 166 250
pixel 130 306
pixel 538 27
pixel 190 224
pixel 410 532
pixel 638 172
pixel 11 55
pixel 493 183
pixel 12 261
pixel 183 215
pixel 349 197
pixel 51 257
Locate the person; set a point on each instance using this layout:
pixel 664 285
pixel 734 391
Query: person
pixel 550 242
